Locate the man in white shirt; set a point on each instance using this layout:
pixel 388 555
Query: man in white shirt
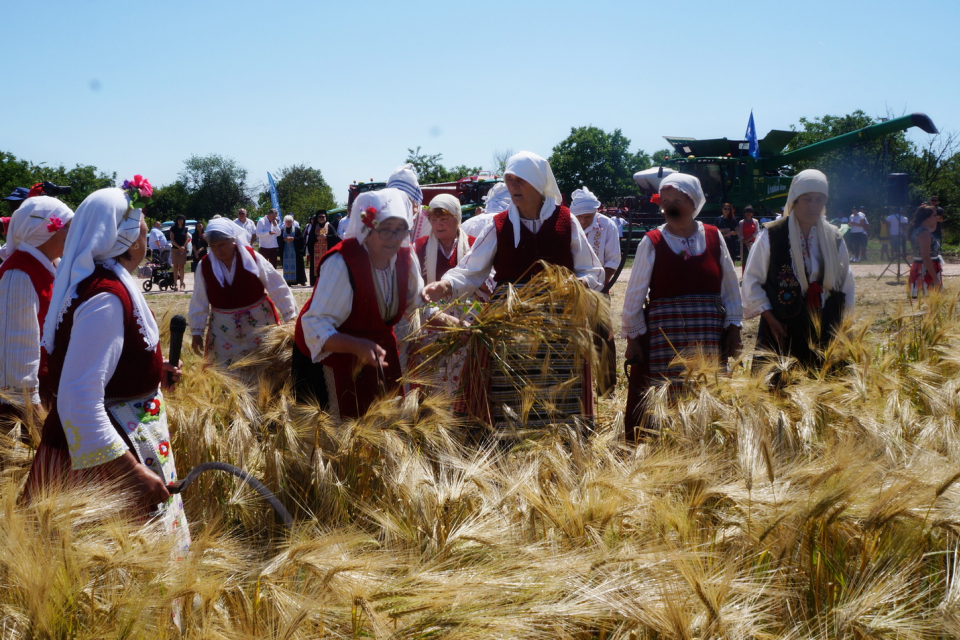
pixel 601 233
pixel 896 230
pixel 247 224
pixel 342 225
pixel 859 232
pixel 268 232
pixel 158 242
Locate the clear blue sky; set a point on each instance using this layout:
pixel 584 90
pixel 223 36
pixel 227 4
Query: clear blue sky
pixel 347 87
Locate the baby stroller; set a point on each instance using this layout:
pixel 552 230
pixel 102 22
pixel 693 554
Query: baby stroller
pixel 158 272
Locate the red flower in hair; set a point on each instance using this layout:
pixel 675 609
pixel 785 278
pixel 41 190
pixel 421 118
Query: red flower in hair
pixel 36 190
pixel 55 224
pixel 369 217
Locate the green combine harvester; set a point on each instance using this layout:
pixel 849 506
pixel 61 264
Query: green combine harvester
pixel 729 174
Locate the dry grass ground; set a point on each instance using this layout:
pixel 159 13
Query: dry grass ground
pixel 828 509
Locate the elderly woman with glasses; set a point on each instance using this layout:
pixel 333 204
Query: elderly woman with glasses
pixel 346 353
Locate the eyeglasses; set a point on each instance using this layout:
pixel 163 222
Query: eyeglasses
pixel 389 234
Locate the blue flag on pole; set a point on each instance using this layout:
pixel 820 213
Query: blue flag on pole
pixel 753 147
pixel 275 201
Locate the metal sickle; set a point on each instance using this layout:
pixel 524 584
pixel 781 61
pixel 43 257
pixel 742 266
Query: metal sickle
pixel 266 494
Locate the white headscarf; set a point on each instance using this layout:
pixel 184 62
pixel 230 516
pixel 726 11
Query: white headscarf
pixel 813 181
pixel 497 199
pixel 103 227
pixel 689 185
pixel 405 179
pixel 225 227
pixel 537 172
pixel 34 223
pixel 584 202
pixel 451 205
pixel 386 204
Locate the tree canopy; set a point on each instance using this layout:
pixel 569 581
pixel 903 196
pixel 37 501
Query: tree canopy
pixel 85 179
pixel 602 161
pixel 302 190
pixel 213 184
pixel 430 169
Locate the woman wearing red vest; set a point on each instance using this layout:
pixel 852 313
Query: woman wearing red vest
pixel 682 296
pixel 443 249
pixel 236 292
pixel 535 227
pixel 346 353
pixel 108 422
pixel 35 241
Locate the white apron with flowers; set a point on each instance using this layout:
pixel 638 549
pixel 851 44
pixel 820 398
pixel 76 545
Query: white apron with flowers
pixel 145 422
pixel 236 332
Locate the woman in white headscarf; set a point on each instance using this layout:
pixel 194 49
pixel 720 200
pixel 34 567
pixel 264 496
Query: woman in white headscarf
pixel 236 293
pixel 35 240
pixel 496 200
pixel 683 296
pixel 534 227
pixel 108 422
pixel 798 275
pixel 346 353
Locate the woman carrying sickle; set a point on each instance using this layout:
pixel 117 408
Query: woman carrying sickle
pixel 108 421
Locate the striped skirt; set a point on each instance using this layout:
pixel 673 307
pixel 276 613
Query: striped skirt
pixel 682 326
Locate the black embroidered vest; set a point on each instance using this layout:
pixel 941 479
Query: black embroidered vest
pixel 782 286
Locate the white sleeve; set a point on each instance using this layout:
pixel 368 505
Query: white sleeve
pixel 19 337
pixel 475 267
pixel 637 288
pixel 730 287
pixel 199 310
pixel 611 247
pixel 277 289
pixel 91 360
pixel 331 306
pixel 586 264
pixel 755 299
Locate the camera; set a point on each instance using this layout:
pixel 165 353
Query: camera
pixel 50 189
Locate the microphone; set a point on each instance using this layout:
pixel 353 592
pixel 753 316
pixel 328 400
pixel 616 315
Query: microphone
pixel 178 324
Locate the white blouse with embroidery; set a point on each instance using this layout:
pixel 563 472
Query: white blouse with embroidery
pixel 20 333
pixel 633 320
pixel 604 238
pixel 276 287
pixel 477 264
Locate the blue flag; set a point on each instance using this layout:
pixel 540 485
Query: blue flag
pixel 753 147
pixel 275 201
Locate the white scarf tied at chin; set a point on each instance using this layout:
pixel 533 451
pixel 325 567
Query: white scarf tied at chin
pixel 452 206
pixel 813 181
pixel 35 222
pixel 537 172
pixel 103 227
pixel 221 272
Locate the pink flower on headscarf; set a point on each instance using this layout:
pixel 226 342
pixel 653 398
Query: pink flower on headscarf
pixel 55 224
pixel 369 217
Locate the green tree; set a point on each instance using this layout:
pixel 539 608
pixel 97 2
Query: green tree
pixel 430 169
pixel 857 173
pixel 602 161
pixel 168 201
pixel 302 190
pixel 85 179
pixel 214 185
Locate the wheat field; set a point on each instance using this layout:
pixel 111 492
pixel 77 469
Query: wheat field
pixel 828 508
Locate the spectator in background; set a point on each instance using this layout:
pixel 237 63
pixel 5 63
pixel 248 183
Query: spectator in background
pixel 859 232
pixel 926 272
pixel 934 202
pixel 16 198
pixel 179 237
pixel 158 242
pixel 727 223
pixel 268 232
pixel 747 231
pixel 896 232
pixel 247 225
pixel 293 271
pixel 342 226
pixel 199 245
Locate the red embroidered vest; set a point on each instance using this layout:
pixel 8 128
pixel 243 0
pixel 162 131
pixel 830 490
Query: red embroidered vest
pixel 245 291
pixel 674 276
pixel 138 370
pixel 42 281
pixel 444 263
pixel 550 244
pixel 355 392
